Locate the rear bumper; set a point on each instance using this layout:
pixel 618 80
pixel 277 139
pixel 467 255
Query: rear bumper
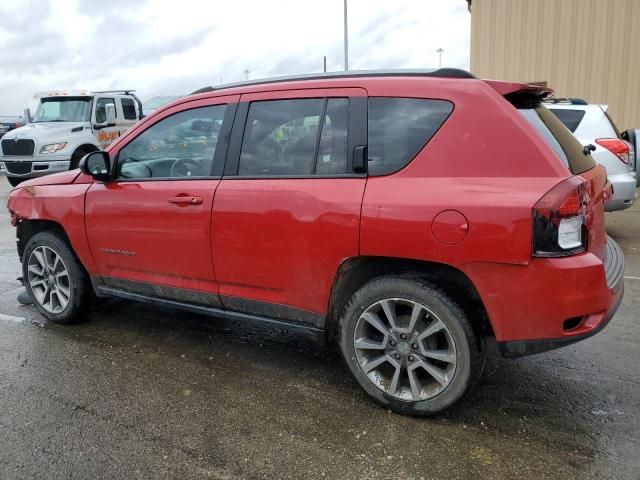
pixel 624 192
pixel 550 303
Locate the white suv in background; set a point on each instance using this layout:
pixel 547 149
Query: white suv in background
pixel 591 125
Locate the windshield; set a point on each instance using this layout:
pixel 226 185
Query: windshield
pixel 67 109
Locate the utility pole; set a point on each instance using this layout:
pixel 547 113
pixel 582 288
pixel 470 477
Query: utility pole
pixel 346 39
pixel 440 50
pixel 325 64
pixel 246 74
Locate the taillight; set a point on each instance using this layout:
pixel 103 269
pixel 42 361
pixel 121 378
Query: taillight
pixel 616 146
pixel 560 220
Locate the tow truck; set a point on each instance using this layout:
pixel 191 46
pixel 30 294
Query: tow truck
pixel 66 126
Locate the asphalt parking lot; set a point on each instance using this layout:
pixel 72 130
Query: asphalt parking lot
pixel 143 392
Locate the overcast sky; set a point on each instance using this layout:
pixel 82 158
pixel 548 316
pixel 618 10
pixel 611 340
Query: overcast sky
pixel 168 46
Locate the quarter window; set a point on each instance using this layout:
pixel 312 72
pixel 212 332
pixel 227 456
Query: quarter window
pixel 129 109
pixel 398 128
pixel 101 109
pixel 180 146
pixel 295 137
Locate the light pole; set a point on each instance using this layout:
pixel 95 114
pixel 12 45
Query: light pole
pixel 346 39
pixel 440 50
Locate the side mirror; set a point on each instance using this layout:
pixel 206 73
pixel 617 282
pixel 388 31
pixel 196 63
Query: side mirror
pixel 110 110
pixel 98 165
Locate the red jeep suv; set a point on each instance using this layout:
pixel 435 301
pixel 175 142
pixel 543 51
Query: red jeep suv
pixel 410 216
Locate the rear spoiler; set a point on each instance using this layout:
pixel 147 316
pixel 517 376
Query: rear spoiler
pixel 521 95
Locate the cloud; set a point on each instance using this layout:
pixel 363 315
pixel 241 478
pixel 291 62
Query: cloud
pixel 163 46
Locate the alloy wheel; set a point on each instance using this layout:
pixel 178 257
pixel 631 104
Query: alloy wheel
pixel 49 280
pixel 405 349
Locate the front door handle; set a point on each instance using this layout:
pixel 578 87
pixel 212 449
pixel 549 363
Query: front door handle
pixel 186 200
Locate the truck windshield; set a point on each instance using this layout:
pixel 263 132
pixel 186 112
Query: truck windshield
pixel 63 109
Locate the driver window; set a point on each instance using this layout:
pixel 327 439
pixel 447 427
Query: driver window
pixel 101 109
pixel 179 146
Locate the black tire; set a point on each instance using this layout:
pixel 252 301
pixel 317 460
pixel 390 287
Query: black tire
pixel 80 300
pixel 15 181
pixel 469 356
pixel 77 156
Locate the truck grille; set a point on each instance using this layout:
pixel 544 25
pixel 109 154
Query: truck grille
pixel 18 168
pixel 17 147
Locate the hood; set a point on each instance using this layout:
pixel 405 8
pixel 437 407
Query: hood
pixel 45 131
pixel 61 178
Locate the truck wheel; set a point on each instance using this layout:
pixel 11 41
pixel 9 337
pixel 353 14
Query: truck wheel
pixel 55 279
pixel 409 345
pixel 77 156
pixel 15 181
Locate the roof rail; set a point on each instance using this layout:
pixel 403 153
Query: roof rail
pixel 126 92
pixel 570 101
pixel 440 72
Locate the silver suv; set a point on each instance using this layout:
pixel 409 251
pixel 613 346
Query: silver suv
pixel 591 125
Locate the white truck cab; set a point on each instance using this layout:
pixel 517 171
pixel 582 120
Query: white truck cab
pixel 66 126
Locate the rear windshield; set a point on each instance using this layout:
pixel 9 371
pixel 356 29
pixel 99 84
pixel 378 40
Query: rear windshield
pixel 559 138
pixel 570 118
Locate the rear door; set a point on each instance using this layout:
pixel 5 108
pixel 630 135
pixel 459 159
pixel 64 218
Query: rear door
pixel 287 211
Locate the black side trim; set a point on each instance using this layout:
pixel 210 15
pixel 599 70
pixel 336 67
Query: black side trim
pixel 313 332
pixel 520 348
pixel 274 310
pixel 194 297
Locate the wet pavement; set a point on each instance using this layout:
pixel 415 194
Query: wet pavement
pixel 144 392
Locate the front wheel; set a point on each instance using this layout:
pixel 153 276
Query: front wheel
pixel 409 345
pixel 59 286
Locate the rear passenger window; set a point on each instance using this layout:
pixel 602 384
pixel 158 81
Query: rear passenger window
pixel 570 118
pixel 293 137
pixel 398 128
pixel 129 109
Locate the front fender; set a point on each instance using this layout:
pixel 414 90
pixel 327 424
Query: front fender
pixel 61 204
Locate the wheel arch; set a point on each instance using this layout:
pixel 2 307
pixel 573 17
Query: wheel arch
pixel 356 271
pixel 27 228
pixel 80 151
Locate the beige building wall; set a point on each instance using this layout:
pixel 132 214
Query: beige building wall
pixel 582 48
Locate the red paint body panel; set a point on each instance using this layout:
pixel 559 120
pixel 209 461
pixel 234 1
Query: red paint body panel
pixel 532 302
pixel 170 243
pixel 59 203
pixel 283 240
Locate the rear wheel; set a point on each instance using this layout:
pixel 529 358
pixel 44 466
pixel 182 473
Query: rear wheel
pixel 15 181
pixel 409 345
pixel 60 288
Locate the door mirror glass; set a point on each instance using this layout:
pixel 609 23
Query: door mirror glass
pixel 97 164
pixel 111 114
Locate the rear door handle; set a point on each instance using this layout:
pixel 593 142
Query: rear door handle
pixel 186 200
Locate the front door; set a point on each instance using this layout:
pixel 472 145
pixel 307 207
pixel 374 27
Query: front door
pixel 287 211
pixel 106 134
pixel 150 230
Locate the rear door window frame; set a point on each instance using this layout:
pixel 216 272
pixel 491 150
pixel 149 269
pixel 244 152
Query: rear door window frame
pixel 356 131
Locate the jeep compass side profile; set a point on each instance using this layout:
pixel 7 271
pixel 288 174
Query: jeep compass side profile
pixel 409 216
